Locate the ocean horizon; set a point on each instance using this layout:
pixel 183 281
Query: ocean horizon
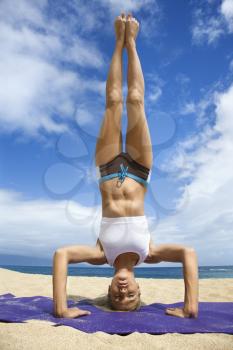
pixel 140 272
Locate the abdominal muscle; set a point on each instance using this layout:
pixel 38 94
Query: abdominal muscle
pixel 122 199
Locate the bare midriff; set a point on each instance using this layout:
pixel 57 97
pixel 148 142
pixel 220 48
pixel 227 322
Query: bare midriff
pixel 122 199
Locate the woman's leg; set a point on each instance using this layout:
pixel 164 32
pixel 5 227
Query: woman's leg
pixel 109 143
pixel 138 141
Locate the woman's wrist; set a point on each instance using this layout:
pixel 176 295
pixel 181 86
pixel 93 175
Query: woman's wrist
pixel 60 312
pixel 59 308
pixel 191 308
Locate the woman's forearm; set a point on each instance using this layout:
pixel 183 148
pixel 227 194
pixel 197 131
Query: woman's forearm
pixel 60 263
pixel 190 272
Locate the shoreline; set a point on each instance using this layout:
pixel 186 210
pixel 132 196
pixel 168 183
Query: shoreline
pixel 156 272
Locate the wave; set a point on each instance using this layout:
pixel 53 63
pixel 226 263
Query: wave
pixel 220 269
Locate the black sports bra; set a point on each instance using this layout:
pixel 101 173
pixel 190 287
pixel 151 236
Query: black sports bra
pixel 121 166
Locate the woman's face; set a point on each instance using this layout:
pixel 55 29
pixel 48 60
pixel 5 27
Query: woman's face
pixel 124 292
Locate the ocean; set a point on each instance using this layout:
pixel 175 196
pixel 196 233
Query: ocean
pixel 143 272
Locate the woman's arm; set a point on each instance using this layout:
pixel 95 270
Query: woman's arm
pixel 190 272
pixel 61 259
pixel 188 257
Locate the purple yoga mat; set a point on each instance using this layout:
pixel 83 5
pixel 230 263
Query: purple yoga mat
pixel 215 317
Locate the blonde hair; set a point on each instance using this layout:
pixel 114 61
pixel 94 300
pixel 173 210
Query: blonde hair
pixel 104 302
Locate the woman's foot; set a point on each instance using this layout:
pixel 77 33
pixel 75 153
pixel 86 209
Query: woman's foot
pixel 120 29
pixel 131 29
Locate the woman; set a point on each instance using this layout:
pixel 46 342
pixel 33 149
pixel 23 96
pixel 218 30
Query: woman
pixel 124 239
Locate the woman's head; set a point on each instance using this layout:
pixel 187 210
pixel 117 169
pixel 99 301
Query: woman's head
pixel 124 292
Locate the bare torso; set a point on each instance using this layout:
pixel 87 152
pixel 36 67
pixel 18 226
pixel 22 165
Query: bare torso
pixel 126 200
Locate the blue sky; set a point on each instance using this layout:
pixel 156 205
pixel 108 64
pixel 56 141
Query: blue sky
pixel 54 61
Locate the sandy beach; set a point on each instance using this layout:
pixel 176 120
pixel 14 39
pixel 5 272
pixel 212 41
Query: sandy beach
pixel 41 335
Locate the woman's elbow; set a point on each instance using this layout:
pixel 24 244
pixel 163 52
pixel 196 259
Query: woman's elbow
pixel 60 253
pixel 189 252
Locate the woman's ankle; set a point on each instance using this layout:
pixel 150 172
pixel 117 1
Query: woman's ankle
pixel 130 43
pixel 119 44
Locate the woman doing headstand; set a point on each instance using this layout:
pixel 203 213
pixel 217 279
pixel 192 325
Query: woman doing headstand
pixel 124 239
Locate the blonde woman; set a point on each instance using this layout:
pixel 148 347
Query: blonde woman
pixel 124 238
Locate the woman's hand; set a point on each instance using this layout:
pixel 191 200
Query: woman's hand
pixel 73 312
pixel 182 312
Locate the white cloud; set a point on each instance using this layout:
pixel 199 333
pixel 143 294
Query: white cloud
pixel 42 49
pixel 182 79
pixel 38 90
pixel 153 89
pixel 188 108
pixel 155 94
pixel 227 11
pixel 30 92
pixel 172 56
pixel 36 227
pixel 209 27
pixel 206 29
pixel 231 65
pixel 203 110
pixel 125 6
pixel 23 11
pixel 199 108
pixel 206 221
pixel 185 102
pixel 83 116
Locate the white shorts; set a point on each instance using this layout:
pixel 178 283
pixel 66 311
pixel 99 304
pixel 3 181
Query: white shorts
pixel 124 234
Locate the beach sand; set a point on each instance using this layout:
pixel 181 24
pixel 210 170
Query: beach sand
pixel 35 335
